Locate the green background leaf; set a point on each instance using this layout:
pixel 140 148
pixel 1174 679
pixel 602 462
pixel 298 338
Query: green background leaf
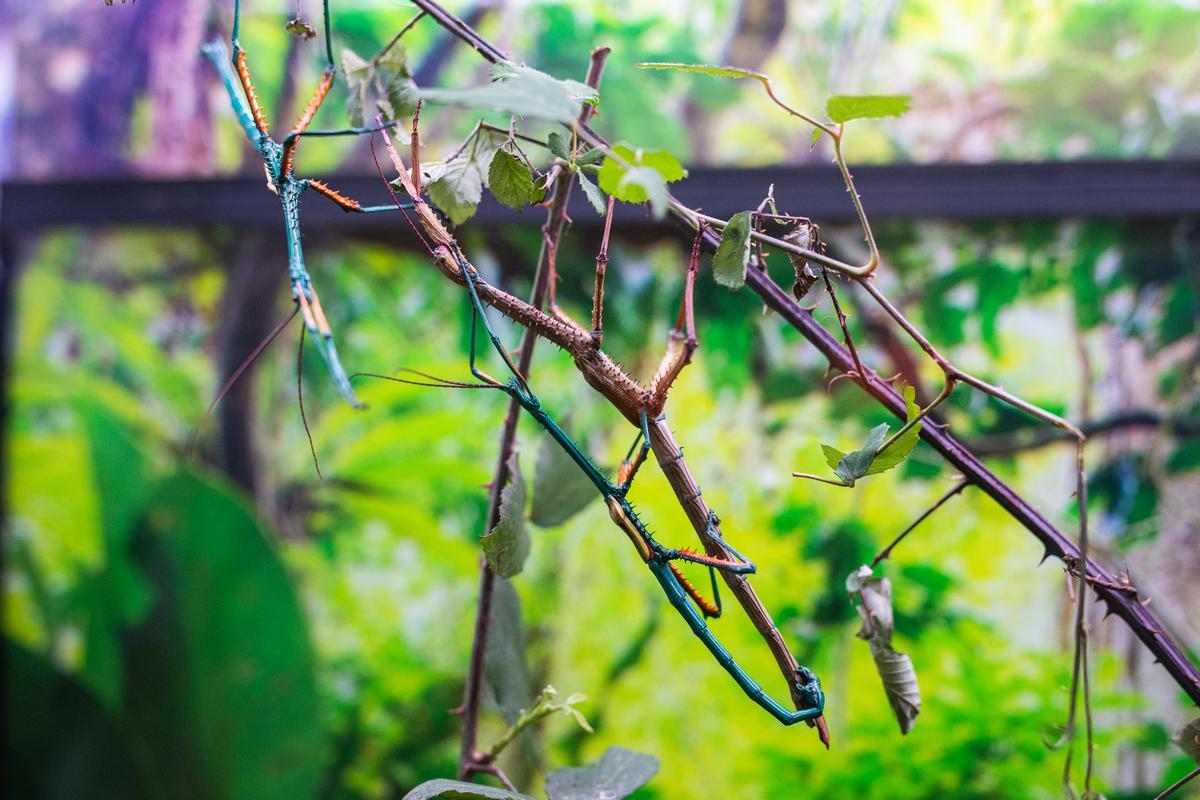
pixel 560 489
pixel 510 180
pixel 733 254
pixel 507 546
pixel 843 107
pixel 617 774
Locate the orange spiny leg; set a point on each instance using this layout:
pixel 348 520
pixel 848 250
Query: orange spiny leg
pixel 256 109
pixel 346 203
pixel 707 608
pixel 304 119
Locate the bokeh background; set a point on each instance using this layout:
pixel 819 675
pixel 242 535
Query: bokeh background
pixel 225 623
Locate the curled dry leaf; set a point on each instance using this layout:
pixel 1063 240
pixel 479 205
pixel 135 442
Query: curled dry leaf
pixel 1188 739
pixel 895 669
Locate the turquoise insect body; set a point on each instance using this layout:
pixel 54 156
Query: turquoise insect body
pixel 277 160
pixel 657 557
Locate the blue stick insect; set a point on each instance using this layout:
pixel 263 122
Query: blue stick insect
pixel 684 598
pixel 278 161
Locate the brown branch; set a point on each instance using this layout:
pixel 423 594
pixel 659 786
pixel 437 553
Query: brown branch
pixel 1143 624
pixel 470 760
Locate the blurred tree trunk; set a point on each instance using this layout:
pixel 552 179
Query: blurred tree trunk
pixel 251 291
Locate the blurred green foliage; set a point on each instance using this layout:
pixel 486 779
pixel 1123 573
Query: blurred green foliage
pixel 314 647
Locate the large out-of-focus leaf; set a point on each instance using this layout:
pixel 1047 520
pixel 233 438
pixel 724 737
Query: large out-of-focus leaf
pixel 222 690
pixel 704 69
pixel 521 91
pixel 384 86
pixel 1188 739
pixel 560 488
pixel 895 669
pixel 507 546
pixel 505 667
pixel 733 254
pixel 445 789
pixel 118 594
pixel 59 742
pixel 456 185
pixel 617 774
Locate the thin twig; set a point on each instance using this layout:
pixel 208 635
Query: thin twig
pixel 1177 784
pixel 841 315
pixel 601 268
pixel 887 551
pixel 470 760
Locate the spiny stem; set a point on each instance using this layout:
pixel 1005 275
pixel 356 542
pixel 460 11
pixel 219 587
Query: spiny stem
pixel 872 262
pixel 555 220
pixel 887 551
pixel 1177 784
pixel 849 341
pixel 601 267
pixel 1079 670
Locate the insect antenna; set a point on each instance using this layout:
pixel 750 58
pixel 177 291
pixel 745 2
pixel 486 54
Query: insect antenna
pixel 237 373
pixel 300 398
pixel 433 382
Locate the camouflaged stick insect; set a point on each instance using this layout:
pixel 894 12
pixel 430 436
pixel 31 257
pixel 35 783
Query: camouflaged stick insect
pixel 278 162
pixel 643 407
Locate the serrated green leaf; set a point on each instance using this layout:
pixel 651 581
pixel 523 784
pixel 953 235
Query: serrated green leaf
pixel 560 489
pixel 507 546
pixel 845 107
pixel 832 455
pixel 446 789
pixel 521 91
pixel 733 254
pixel 704 69
pixel 510 180
pixel 456 186
pixel 855 464
pixel 898 450
pixel 637 176
pixel 616 775
pixel 558 146
pixel 592 192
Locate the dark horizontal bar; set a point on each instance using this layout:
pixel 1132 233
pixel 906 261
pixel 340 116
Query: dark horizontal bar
pixel 1124 189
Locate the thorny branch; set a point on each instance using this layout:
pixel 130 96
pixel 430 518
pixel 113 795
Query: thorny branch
pixel 470 759
pixel 1143 624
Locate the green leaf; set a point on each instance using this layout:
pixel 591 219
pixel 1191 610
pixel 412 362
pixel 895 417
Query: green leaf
pixel 898 450
pixel 510 180
pixel 226 690
pixel 460 790
pixel 733 254
pixel 832 455
pixel 560 489
pixel 456 186
pixel 521 91
pixel 558 146
pixel 58 739
pixel 507 546
pixel 357 74
pixel 593 194
pixel 816 137
pixel 704 69
pixel 637 176
pixel 618 774
pixel 592 156
pixel 895 669
pixel 505 667
pixel 844 107
pixel 854 465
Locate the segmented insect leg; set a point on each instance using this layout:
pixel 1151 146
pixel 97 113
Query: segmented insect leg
pixel 318 327
pixel 706 608
pixel 256 109
pixel 346 203
pixel 631 463
pixel 806 681
pixel 293 139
